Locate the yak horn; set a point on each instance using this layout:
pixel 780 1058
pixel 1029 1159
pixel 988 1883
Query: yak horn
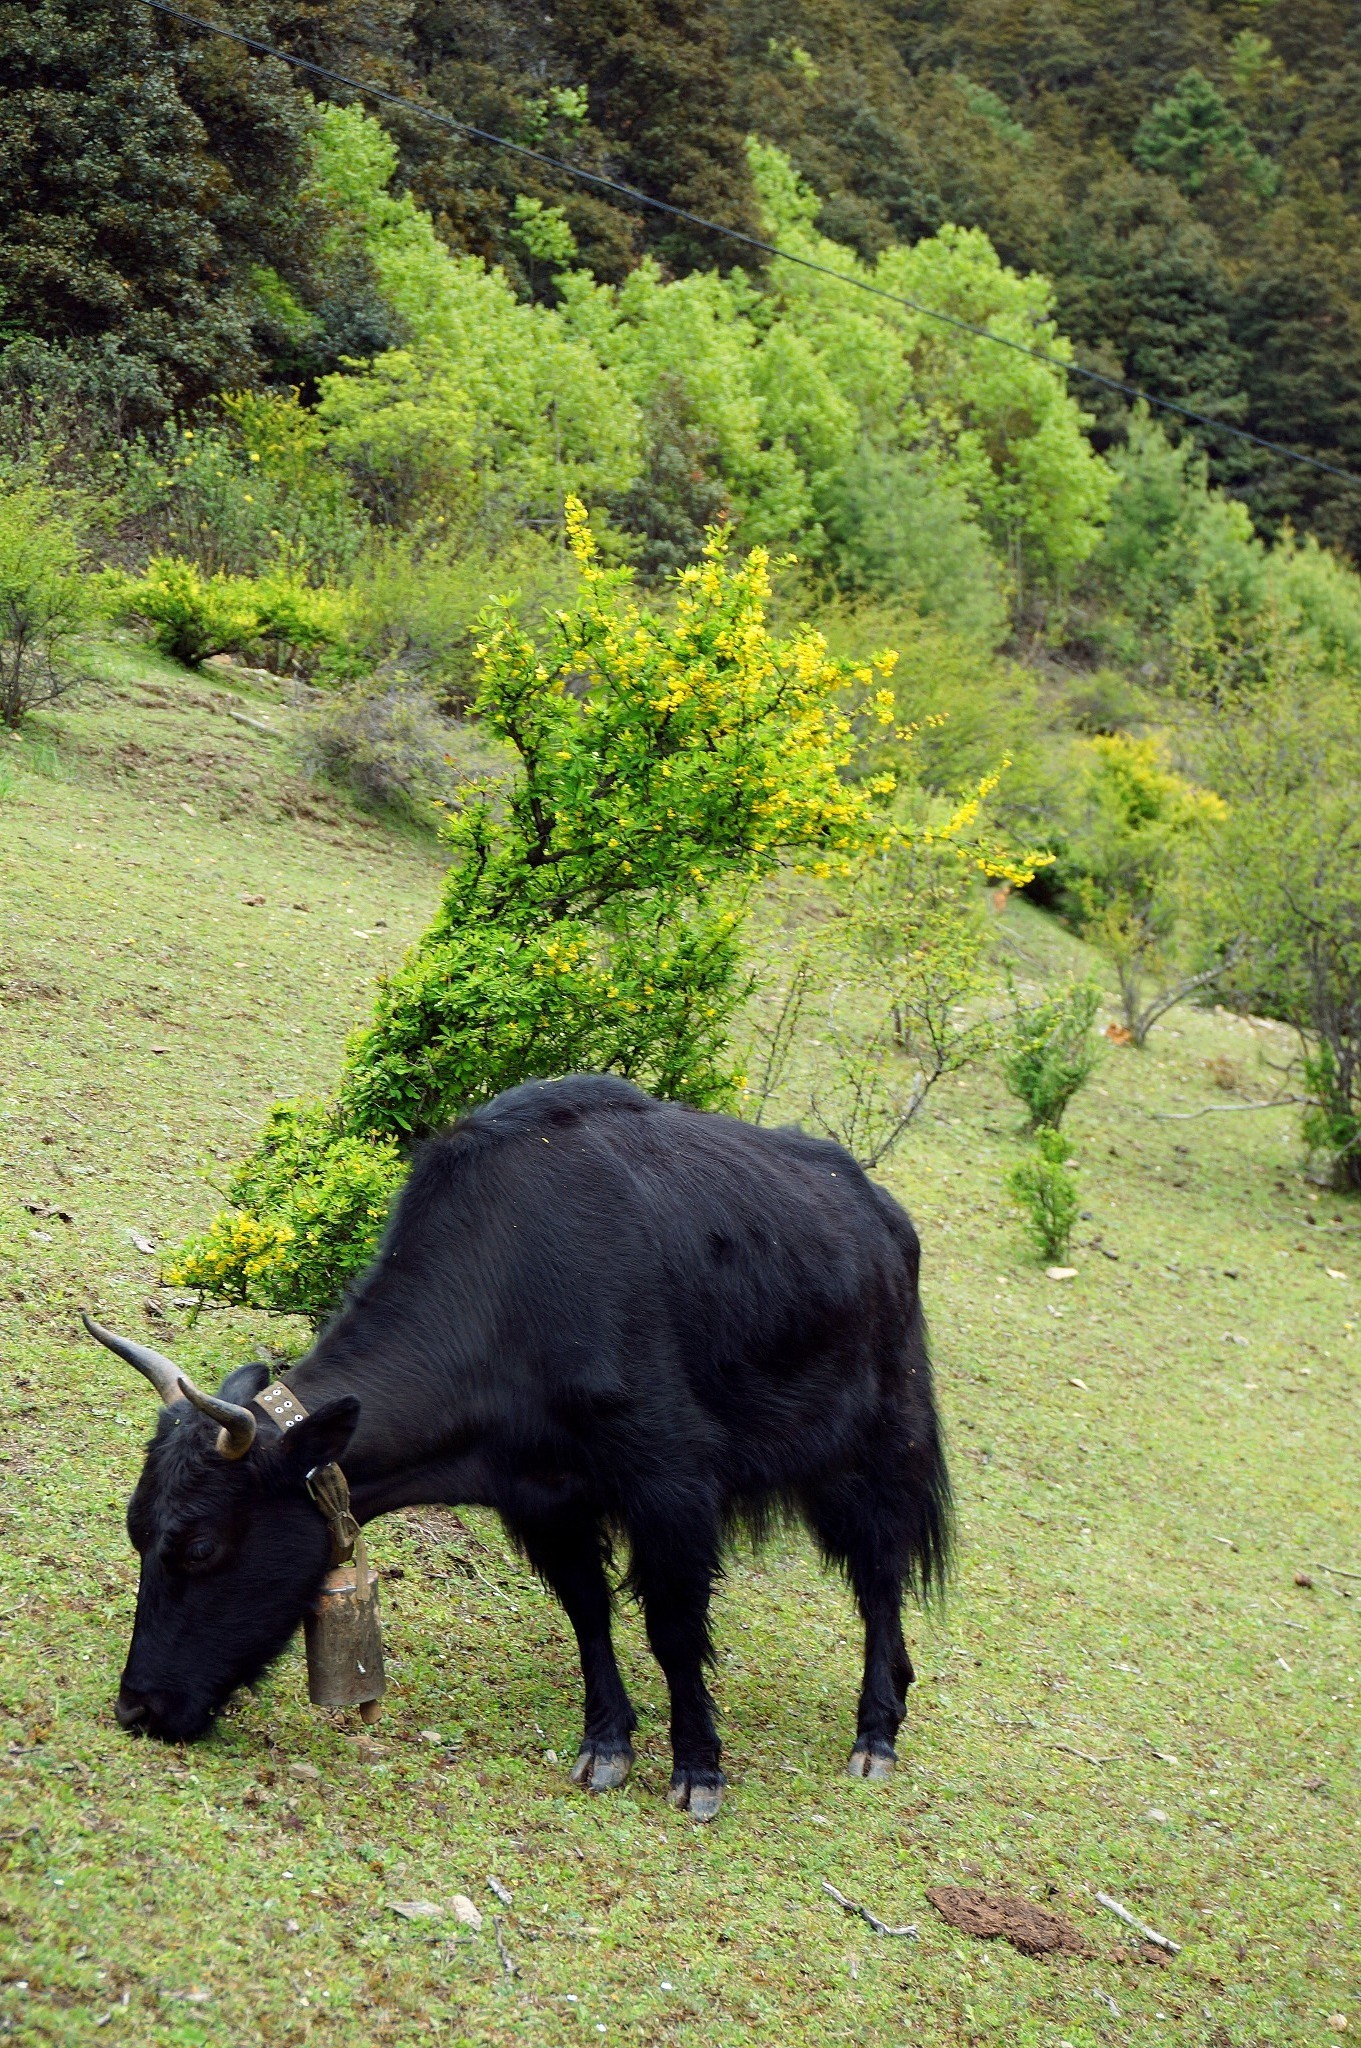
pixel 237 1433
pixel 164 1376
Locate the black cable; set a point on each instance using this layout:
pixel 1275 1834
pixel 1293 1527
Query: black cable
pixel 713 227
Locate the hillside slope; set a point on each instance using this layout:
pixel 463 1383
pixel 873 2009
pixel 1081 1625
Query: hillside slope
pixel 1129 1690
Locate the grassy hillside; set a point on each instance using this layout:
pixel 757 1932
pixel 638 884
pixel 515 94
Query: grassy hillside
pixel 1128 1691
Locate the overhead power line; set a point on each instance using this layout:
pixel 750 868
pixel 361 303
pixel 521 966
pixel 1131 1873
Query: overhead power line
pixel 764 248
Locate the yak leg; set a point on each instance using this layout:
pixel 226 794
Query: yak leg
pixel 674 1567
pixel 857 1528
pixel 568 1553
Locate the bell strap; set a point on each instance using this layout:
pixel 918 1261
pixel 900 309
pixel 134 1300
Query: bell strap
pixel 326 1483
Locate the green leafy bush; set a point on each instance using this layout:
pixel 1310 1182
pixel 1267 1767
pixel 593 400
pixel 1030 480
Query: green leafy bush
pixel 298 623
pixel 591 916
pixel 1051 1051
pixel 194 615
pixel 1136 831
pixel 1044 1189
pixel 309 1196
pixel 44 600
pixel 1281 740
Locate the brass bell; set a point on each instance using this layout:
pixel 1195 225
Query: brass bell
pixel 344 1637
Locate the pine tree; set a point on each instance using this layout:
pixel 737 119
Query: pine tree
pixel 150 172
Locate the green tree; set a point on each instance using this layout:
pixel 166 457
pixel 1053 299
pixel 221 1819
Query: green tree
pixel 152 172
pixel 1184 135
pixel 1169 537
pixel 637 89
pixel 1143 285
pixel 44 600
pixel 591 917
pixel 1136 827
pixel 679 494
pixel 1281 740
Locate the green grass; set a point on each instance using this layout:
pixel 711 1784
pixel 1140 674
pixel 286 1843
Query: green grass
pixel 1127 1692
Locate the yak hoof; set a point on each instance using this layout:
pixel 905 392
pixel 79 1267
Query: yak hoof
pixel 699 1797
pixel 870 1763
pixel 601 1770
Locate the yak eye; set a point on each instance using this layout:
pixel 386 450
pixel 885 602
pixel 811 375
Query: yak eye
pixel 202 1550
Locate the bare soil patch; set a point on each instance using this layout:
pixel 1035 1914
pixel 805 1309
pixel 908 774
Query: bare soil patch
pixel 992 1916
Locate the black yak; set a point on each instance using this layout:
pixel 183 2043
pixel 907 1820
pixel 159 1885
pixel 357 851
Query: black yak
pixel 608 1318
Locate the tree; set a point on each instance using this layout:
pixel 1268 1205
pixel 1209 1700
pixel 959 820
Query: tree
pixel 1135 829
pixel 44 600
pixel 152 172
pixel 1281 740
pixel 1298 324
pixel 679 494
pixel 1143 283
pixel 591 916
pixel 640 90
pixel 1183 137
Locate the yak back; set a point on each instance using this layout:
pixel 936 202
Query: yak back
pixel 576 1257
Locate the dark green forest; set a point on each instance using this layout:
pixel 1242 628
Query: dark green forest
pixel 1189 177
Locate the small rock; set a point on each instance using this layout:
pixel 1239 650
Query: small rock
pixel 1303 1579
pixel 307 1772
pixel 466 1911
pixel 502 1891
pixel 1333 1273
pixel 1154 1813
pixel 1080 1383
pixel 1060 1272
pixel 429 1734
pixel 416 1909
pixel 143 1244
pixel 252 902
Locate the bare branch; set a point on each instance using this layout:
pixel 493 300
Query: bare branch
pixel 864 1913
pixel 1149 1933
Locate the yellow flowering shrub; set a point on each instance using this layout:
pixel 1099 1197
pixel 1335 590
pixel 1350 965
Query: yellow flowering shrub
pixel 591 917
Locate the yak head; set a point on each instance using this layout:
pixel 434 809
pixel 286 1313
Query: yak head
pixel 233 1549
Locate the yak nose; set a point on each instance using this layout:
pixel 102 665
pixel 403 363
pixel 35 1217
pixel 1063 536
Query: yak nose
pixel 132 1711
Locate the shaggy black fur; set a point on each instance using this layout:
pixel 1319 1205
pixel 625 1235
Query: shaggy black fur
pixel 600 1315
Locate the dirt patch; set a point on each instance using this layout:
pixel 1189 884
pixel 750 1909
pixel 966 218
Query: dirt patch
pixel 18 988
pixel 992 1916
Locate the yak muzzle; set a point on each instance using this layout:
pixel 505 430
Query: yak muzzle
pixel 160 1715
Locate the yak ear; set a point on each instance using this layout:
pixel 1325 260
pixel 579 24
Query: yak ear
pixel 246 1382
pixel 323 1438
